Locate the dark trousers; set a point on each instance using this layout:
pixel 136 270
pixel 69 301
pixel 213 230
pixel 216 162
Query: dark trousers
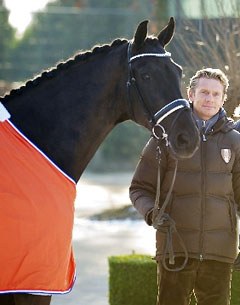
pixel 209 280
pixel 24 299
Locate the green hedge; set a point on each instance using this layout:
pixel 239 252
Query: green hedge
pixel 132 281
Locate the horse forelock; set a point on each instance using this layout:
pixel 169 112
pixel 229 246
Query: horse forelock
pixel 152 41
pixel 53 71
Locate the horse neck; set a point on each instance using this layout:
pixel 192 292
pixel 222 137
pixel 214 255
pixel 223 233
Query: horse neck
pixel 69 115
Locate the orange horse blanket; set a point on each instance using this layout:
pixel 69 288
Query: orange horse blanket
pixel 36 219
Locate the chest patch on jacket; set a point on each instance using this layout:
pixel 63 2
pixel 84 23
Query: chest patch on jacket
pixel 226 154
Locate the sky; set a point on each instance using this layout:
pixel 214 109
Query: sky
pixel 20 12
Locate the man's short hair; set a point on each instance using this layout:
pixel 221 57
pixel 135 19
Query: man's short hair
pixel 211 74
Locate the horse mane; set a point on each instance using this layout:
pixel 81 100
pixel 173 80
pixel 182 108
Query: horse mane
pixel 52 72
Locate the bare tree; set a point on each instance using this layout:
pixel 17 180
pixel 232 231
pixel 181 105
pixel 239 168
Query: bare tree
pixel 212 42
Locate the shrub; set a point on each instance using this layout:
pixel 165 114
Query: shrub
pixel 133 281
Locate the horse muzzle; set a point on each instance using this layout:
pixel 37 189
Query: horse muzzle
pixel 178 132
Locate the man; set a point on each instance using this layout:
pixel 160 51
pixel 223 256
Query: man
pixel 203 203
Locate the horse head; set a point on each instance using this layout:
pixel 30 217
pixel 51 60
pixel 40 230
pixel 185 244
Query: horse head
pixel 154 82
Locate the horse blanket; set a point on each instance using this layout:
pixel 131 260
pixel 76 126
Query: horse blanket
pixel 36 219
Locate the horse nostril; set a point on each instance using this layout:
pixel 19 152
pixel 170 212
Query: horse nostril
pixel 183 140
pixel 182 145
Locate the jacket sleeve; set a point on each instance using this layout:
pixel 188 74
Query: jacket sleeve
pixel 142 190
pixel 236 177
pixel 237 125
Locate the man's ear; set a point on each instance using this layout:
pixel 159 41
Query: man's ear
pixel 191 94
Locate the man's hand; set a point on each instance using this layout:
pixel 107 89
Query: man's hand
pixel 236 265
pixel 149 217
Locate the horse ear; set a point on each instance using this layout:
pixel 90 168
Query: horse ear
pixel 166 35
pixel 140 34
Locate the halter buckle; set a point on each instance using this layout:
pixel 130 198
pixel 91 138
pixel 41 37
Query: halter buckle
pixel 164 135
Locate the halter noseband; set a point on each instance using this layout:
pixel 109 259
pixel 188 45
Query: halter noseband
pixel 164 112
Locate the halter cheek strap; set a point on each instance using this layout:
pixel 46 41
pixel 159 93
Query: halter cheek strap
pixel 132 83
pixel 154 118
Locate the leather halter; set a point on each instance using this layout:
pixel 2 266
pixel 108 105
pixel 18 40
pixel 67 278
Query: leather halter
pixel 161 220
pixel 132 83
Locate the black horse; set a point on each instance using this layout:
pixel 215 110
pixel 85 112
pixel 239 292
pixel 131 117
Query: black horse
pixel 66 113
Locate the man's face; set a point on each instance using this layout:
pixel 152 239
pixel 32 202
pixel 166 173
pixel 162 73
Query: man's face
pixel 207 98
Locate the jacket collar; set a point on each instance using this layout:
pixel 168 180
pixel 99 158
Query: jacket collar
pixel 219 122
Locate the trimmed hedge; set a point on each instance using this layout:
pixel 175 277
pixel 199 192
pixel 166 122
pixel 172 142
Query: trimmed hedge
pixel 133 281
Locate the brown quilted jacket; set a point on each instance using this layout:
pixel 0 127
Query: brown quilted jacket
pixel 205 196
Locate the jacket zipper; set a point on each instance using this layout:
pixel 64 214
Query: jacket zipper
pixel 203 191
pixel 203 131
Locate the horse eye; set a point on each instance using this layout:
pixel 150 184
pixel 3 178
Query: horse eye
pixel 146 76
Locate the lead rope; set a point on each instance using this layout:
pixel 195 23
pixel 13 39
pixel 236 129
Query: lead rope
pixel 161 220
